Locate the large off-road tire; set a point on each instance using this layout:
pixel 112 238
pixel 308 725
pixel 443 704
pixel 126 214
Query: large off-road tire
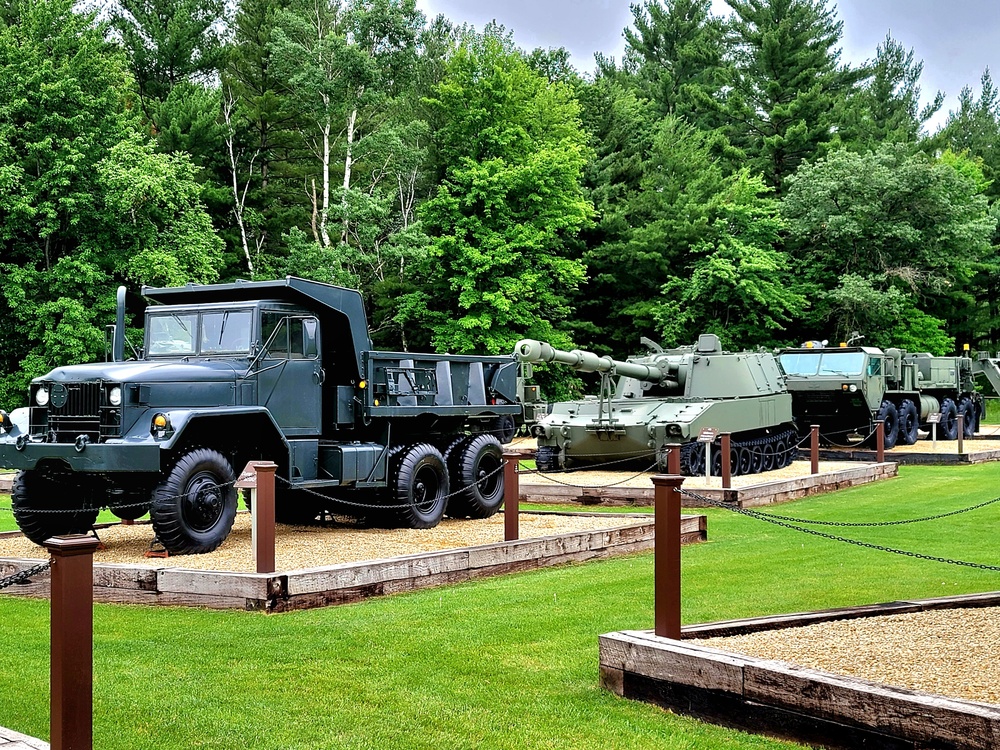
pixel 968 411
pixel 889 415
pixel 195 506
pixel 45 506
pixel 504 428
pixel 475 467
pixel 948 428
pixel 420 486
pixel 909 422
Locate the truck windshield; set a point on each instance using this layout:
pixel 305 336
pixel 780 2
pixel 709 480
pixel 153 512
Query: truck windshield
pixel 844 364
pixel 191 333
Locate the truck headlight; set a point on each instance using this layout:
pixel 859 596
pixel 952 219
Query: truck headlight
pixel 160 427
pixel 115 396
pixel 42 396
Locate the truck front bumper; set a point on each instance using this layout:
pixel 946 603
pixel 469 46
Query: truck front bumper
pixel 94 458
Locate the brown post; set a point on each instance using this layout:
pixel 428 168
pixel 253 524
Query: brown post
pixel 71 667
pixel 727 463
pixel 961 433
pixel 814 449
pixel 880 440
pixel 667 556
pixel 263 517
pixel 674 459
pixel 511 491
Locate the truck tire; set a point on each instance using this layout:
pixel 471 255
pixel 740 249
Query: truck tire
pixel 948 429
pixel 420 485
pixel 889 415
pixel 38 499
pixel 504 428
pixel 968 411
pixel 909 422
pixel 476 470
pixel 195 506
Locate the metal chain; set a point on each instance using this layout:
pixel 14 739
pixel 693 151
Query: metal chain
pixel 112 508
pixel 825 437
pixel 548 476
pixel 873 524
pixel 867 545
pixel 25 575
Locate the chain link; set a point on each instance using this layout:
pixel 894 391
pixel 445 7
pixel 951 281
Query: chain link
pixel 547 475
pixel 25 575
pixel 767 518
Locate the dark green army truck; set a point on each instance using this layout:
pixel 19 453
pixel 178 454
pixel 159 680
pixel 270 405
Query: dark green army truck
pixel 275 370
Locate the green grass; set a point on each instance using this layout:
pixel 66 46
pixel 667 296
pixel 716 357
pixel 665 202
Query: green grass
pixel 509 662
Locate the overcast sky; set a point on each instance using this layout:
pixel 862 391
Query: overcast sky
pixel 956 39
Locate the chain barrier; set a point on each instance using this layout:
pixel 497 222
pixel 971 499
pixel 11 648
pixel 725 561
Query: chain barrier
pixel 24 576
pixel 767 518
pixel 873 524
pixel 143 504
pixel 547 475
pixel 860 444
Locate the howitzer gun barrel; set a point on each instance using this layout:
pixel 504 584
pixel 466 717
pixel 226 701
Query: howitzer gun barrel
pixel 531 351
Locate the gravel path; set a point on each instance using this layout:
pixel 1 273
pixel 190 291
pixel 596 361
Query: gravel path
pixel 949 652
pixel 313 546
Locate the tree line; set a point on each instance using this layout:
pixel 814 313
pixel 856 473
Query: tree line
pixel 726 175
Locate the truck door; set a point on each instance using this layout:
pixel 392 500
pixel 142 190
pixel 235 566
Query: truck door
pixel 289 375
pixel 874 382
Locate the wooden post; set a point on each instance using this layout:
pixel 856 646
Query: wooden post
pixel 71 666
pixel 511 492
pixel 674 459
pixel 814 449
pixel 263 517
pixel 667 555
pixel 727 463
pixel 880 440
pixel 961 434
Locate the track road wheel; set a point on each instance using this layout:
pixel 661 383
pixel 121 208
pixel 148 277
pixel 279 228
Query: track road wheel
pixel 696 460
pixel 889 414
pixel 37 499
pixel 194 507
pixel 420 483
pixel 948 429
pixel 756 459
pixel 716 461
pixel 547 458
pixel 476 470
pixel 744 461
pixel 909 422
pixel 769 459
pixel 968 411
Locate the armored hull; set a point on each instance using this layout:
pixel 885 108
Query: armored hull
pixel 669 397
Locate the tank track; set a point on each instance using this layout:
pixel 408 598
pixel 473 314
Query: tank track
pixel 764 450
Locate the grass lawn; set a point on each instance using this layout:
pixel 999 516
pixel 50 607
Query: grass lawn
pixel 504 663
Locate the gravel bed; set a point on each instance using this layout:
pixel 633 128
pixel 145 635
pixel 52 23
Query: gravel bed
pixel 341 541
pixel 950 652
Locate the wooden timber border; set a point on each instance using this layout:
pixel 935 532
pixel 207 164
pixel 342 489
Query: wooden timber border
pixel 351 582
pixel 792 702
pixel 754 495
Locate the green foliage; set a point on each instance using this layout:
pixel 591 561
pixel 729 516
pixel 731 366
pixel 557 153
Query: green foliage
pixel 892 219
pixel 787 82
pixel 511 197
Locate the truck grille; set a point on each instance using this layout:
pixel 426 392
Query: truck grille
pixel 76 409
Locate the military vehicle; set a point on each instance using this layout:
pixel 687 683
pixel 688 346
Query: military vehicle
pixel 845 389
pixel 668 396
pixel 281 370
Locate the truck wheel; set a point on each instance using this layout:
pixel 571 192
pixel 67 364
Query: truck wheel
pixel 504 428
pixel 41 504
pixel 909 422
pixel 968 411
pixel 195 506
pixel 948 428
pixel 420 483
pixel 889 414
pixel 476 466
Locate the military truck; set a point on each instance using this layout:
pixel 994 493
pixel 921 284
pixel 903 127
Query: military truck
pixel 845 389
pixel 664 397
pixel 280 370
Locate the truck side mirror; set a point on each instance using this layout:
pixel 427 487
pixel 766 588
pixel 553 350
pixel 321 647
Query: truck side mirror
pixel 310 338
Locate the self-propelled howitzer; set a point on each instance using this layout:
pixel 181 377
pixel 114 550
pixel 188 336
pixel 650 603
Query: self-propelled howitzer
pixel 664 397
